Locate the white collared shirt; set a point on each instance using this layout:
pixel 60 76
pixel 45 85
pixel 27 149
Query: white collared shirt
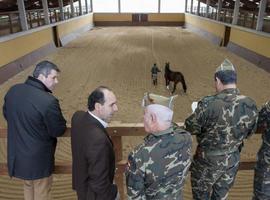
pixel 104 124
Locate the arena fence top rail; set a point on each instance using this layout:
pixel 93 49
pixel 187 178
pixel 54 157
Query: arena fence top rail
pixel 116 132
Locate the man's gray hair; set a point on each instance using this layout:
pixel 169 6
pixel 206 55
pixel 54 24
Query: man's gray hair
pixel 44 67
pixel 163 113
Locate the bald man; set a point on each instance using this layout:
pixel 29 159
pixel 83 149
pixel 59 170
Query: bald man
pixel 157 168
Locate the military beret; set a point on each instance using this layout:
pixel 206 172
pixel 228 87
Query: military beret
pixel 225 65
pixel 150 98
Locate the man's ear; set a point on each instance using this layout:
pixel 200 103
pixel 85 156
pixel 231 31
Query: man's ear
pixel 97 106
pixel 153 117
pixel 218 80
pixel 41 77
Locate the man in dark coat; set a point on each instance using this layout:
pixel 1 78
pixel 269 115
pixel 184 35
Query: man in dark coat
pixel 34 120
pixel 93 165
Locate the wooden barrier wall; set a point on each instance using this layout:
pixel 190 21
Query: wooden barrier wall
pixel 74 24
pixel 17 45
pixel 252 45
pixel 116 133
pixel 126 19
pixel 254 41
pixel 21 50
pixel 21 44
pixel 112 17
pixel 69 30
pixel 210 29
pixel 166 17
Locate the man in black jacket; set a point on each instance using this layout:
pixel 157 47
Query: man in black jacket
pixel 34 121
pixel 93 165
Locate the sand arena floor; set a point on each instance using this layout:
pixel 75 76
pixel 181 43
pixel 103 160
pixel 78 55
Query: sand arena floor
pixel 121 58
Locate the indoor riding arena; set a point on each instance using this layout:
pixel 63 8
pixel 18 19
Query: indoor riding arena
pixel 118 50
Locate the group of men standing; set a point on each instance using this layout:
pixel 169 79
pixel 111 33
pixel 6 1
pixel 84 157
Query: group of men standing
pixel 158 167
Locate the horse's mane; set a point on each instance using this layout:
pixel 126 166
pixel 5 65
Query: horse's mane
pixel 167 66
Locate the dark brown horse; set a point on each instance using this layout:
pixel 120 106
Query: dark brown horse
pixel 175 77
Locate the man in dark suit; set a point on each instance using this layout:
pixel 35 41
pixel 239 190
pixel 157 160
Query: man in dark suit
pixel 93 165
pixel 34 120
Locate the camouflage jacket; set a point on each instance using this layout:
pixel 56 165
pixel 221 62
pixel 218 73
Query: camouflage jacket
pixel 222 121
pixel 264 121
pixel 158 167
pixel 155 70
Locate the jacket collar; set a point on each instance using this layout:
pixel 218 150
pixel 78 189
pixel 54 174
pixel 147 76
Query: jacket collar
pixel 94 120
pixel 37 84
pixel 169 130
pixel 230 91
pixel 104 124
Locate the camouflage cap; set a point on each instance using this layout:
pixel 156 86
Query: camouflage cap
pixel 150 98
pixel 226 65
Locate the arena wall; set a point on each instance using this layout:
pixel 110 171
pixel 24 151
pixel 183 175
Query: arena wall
pixel 210 29
pixel 251 45
pixel 17 47
pixel 252 41
pixel 69 30
pixel 126 19
pixel 21 50
pixel 176 19
pixel 112 17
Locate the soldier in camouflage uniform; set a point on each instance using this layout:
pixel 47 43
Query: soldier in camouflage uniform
pixel 262 168
pixel 220 122
pixel 157 168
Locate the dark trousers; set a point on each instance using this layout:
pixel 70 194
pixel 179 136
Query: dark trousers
pixel 81 196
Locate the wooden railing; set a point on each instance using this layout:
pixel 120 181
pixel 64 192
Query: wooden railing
pixel 116 133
